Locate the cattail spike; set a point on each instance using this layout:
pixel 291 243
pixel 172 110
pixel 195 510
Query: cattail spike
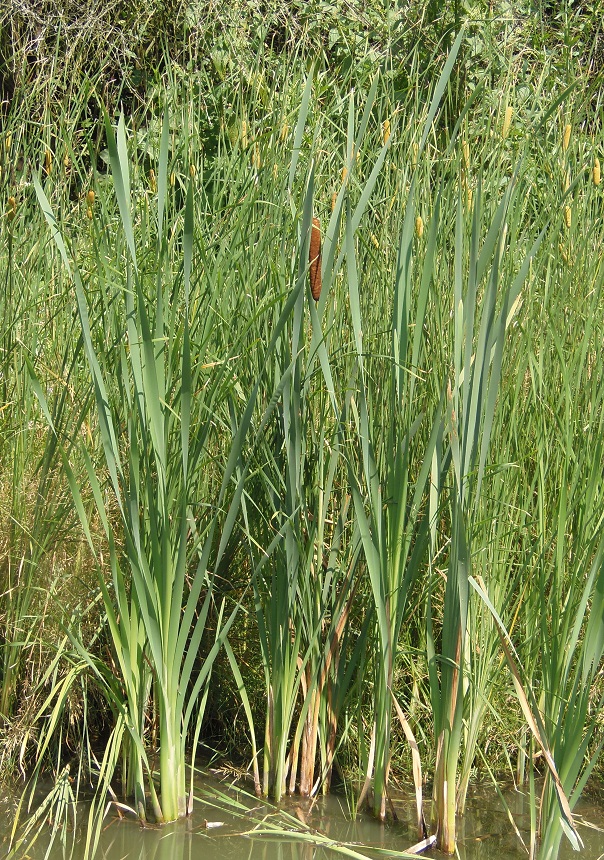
pixel 566 136
pixel 385 131
pixel 314 258
pixel 507 121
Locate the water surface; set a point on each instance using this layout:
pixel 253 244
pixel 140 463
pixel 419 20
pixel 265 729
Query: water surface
pixel 229 824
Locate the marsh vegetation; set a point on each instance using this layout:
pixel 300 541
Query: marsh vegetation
pixel 302 406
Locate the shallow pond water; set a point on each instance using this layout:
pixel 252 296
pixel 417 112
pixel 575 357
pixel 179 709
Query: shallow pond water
pixel 229 824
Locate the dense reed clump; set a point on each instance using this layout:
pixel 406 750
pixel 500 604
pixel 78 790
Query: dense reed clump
pixel 294 438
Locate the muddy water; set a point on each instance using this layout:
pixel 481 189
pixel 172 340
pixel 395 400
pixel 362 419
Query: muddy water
pixel 218 830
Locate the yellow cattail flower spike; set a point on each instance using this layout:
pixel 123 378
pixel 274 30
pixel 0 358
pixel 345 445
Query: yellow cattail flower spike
pixel 385 131
pixel 344 173
pixel 152 181
pixel 48 161
pixel 12 208
pixel 507 121
pixel 567 216
pixel 90 199
pixel 596 171
pixel 419 227
pixel 9 140
pixel 192 171
pixel 172 179
pixel 89 214
pixel 566 137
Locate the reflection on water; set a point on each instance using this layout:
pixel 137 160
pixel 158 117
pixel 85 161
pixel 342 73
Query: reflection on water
pixel 228 833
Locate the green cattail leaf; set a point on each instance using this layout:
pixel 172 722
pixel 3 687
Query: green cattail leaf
pixel 440 88
pixel 369 100
pixel 162 174
pixel 118 158
pixel 299 133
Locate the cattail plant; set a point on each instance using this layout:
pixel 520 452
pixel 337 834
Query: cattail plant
pixel 162 584
pixel 389 491
pixel 596 172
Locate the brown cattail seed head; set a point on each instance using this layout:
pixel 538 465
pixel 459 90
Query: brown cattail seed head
pixel 419 227
pixel 152 181
pixel 314 258
pixel 48 161
pixel 596 171
pixel 566 136
pixel 507 121
pixel 385 131
pixel 90 199
pixel 567 216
